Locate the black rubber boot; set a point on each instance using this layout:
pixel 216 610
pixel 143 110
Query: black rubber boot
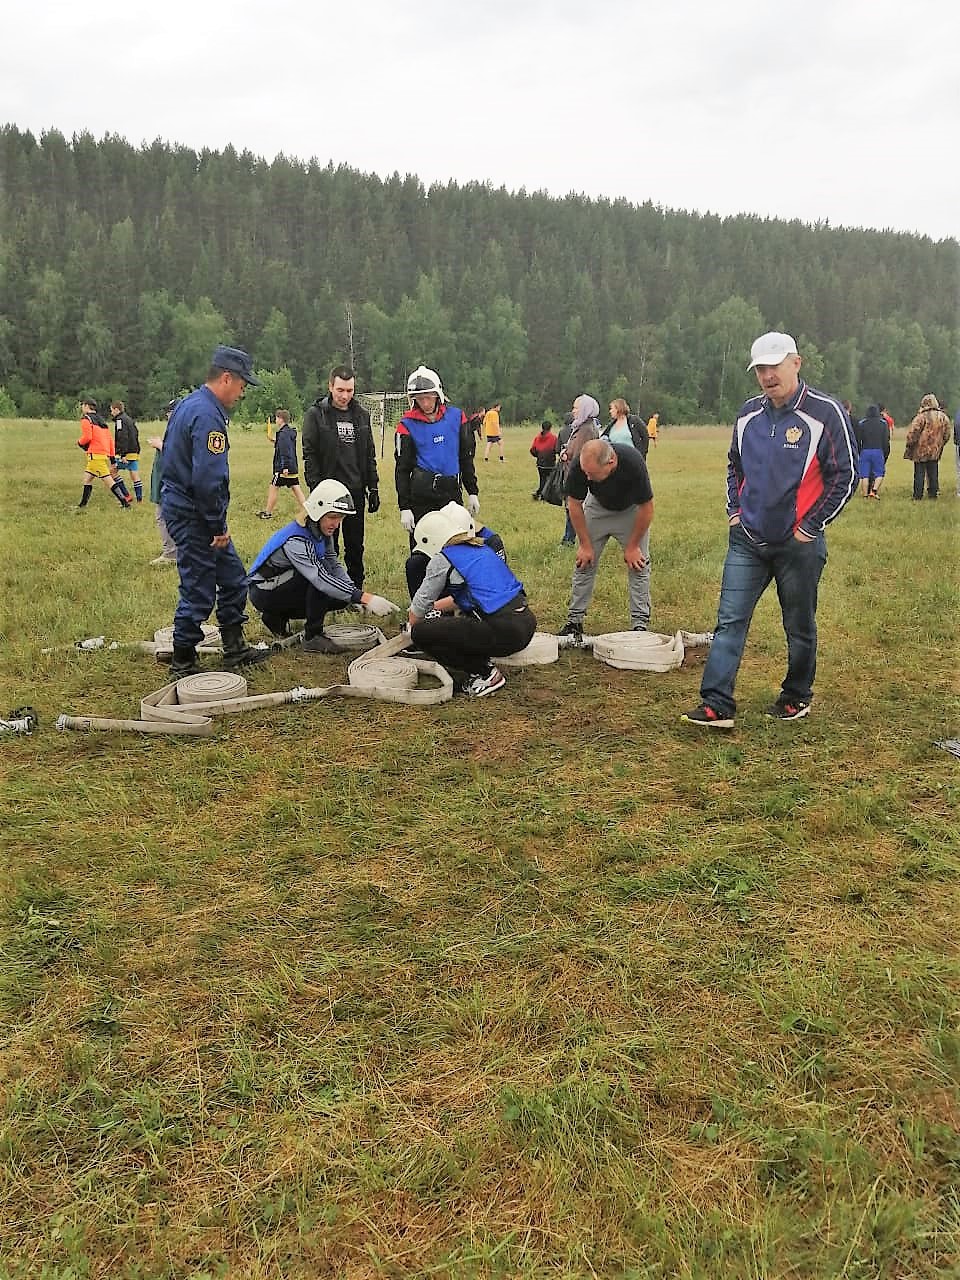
pixel 184 662
pixel 237 653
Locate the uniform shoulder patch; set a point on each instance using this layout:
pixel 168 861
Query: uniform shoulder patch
pixel 216 442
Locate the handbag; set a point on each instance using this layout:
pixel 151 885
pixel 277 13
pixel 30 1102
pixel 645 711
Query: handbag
pixel 552 490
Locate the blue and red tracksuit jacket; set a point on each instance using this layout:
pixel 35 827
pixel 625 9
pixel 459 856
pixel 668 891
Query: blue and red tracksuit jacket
pixel 790 468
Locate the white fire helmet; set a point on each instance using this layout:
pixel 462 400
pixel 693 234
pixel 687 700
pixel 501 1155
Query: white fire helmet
pixel 424 381
pixel 436 528
pixel 330 497
pixel 461 516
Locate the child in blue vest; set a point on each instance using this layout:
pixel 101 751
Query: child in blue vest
pixel 465 574
pixel 296 573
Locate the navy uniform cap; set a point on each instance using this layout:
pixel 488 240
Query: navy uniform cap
pixel 235 361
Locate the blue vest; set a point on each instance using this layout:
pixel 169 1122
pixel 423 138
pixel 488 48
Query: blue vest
pixel 488 584
pixel 292 530
pixel 437 443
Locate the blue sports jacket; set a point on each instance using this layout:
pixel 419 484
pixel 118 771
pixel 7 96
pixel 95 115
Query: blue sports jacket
pixel 790 468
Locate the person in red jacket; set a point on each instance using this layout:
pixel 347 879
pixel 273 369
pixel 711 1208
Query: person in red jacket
pixel 97 442
pixel 544 450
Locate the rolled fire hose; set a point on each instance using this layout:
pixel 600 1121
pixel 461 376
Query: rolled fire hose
pixel 189 706
pixel 542 650
pixel 639 650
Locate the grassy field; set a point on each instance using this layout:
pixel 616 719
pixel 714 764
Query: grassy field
pixel 548 985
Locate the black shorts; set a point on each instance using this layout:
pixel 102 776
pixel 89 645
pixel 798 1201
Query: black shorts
pixel 284 482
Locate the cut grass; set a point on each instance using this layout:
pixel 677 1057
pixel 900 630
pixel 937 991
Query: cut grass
pixel 541 986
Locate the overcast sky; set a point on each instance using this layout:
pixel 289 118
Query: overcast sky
pixel 839 110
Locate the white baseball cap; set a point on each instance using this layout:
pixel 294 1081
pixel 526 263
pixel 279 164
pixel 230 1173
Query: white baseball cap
pixel 771 348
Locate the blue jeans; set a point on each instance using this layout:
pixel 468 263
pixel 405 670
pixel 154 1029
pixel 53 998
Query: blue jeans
pixel 749 569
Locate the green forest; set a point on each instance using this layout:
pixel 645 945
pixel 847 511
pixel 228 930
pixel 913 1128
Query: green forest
pixel 121 267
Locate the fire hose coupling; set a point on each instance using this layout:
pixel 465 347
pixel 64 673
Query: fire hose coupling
pixel 20 720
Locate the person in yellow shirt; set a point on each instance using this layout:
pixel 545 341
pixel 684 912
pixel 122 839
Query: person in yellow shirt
pixel 653 427
pixel 491 430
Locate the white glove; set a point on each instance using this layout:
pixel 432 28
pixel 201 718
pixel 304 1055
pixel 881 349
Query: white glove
pixel 407 520
pixel 473 504
pixel 380 606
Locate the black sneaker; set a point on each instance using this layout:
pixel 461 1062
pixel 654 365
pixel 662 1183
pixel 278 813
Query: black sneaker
pixel 321 644
pixel 264 515
pixel 788 709
pixel 707 718
pixel 574 630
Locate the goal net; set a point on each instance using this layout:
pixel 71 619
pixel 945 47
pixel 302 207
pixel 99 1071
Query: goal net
pixel 385 408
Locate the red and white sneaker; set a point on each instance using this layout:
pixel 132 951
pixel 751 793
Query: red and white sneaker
pixel 706 718
pixel 481 686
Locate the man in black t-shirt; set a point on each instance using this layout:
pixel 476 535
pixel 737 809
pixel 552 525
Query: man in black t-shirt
pixel 609 496
pixel 338 445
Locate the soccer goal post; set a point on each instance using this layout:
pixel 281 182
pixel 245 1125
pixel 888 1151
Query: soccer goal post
pixel 385 408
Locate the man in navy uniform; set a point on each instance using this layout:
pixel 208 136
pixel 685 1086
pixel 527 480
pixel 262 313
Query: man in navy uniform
pixel 194 496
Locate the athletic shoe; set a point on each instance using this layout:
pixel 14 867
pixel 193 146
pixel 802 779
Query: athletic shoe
pixel 480 686
pixel 264 515
pixel 321 644
pixel 641 626
pixel 573 629
pixel 163 560
pixel 707 718
pixel 785 709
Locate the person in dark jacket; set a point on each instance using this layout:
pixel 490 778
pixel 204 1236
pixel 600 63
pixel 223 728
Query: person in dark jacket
pixel 338 445
pixel 194 498
pixel 873 441
pixel 126 441
pixel 286 469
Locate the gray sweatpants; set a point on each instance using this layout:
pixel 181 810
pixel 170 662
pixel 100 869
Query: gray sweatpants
pixel 601 526
pixel 169 546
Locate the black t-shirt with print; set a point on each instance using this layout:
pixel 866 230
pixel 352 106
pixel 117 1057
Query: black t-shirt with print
pixel 627 486
pixel 348 468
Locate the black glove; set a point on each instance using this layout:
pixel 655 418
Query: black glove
pixel 373 501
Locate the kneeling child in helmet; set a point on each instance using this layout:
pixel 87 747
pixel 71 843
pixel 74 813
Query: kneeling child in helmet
pixel 296 573
pixel 464 573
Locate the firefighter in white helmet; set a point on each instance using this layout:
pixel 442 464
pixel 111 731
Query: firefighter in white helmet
pixel 434 449
pixel 296 573
pixel 465 574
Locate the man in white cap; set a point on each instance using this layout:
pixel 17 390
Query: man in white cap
pixel 792 469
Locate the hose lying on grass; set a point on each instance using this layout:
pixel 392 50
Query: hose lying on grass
pixel 189 706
